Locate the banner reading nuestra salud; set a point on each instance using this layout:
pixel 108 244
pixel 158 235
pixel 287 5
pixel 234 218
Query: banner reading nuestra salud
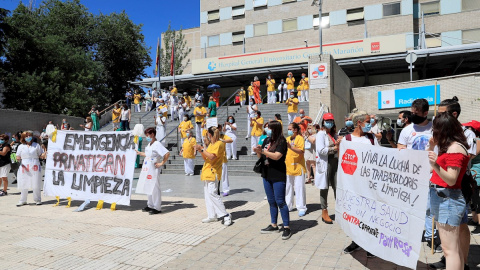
pixel 91 165
pixel 381 199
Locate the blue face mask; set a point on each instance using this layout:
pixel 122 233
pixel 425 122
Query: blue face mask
pixel 268 132
pixel 349 123
pixel 2 141
pixel 328 125
pixel 367 128
pixel 290 133
pixel 28 139
pixel 230 120
pixel 149 139
pixel 372 120
pixel 188 134
pixel 13 139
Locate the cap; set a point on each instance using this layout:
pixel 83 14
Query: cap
pixel 474 124
pixel 328 116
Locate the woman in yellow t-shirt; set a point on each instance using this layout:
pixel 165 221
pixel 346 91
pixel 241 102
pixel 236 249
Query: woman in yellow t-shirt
pixel 241 94
pixel 250 92
pixel 211 172
pixel 257 130
pixel 185 125
pixel 295 162
pixel 302 88
pixel 290 81
pixel 116 117
pixel 188 152
pixel 270 82
pixel 136 101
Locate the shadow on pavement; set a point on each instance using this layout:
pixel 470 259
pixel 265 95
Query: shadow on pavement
pixel 242 214
pixel 473 258
pixel 312 207
pixel 373 263
pixel 240 190
pixel 234 204
pixel 300 225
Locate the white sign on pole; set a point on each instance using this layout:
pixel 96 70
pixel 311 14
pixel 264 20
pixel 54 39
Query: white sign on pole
pixel 91 165
pixel 318 75
pixel 381 199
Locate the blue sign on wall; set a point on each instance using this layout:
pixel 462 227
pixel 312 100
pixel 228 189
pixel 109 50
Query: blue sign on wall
pixel 401 98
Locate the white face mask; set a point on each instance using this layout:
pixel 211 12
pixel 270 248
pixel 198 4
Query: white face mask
pixel 185 119
pixel 400 123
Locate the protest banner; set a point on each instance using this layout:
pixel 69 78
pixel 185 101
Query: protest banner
pixel 91 166
pixel 381 199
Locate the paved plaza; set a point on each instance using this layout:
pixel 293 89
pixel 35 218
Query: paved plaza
pixel 47 237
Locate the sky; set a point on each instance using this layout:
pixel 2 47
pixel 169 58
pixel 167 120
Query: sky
pixel 153 14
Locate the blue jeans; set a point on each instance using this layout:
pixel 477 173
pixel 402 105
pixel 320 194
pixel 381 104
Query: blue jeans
pixel 276 199
pixel 428 222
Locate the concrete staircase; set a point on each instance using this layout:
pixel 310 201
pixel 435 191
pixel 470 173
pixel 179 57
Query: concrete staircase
pixel 241 167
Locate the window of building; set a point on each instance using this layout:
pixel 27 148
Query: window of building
pixel 260 29
pixel 237 37
pixel 391 9
pixel 259 3
pixel 355 16
pixel 470 5
pixel 430 8
pixel 325 21
pixel 289 25
pixel 214 15
pixel 238 11
pixel 471 36
pixel 213 40
pixel 288 1
pixel 434 40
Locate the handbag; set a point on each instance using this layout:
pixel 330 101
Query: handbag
pixel 469 186
pixel 259 165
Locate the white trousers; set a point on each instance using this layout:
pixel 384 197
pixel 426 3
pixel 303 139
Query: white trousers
pixel 242 103
pixel 249 127
pixel 254 142
pixel 148 105
pixel 173 112
pixel 291 117
pixel 189 165
pixel 285 95
pixel 37 197
pixel 198 133
pixel 232 149
pixel 213 201
pixel 295 186
pixel 225 183
pixel 181 113
pixel 304 96
pixel 161 134
pixel 155 200
pixel 271 98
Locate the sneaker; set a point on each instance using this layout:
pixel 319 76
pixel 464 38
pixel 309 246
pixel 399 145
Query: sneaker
pixel 191 174
pixel 21 204
pixel 439 265
pixel 227 220
pixel 225 194
pixel 14 182
pixel 186 174
pixel 154 212
pixel 351 248
pixel 472 223
pixel 437 245
pixel 287 233
pixel 38 203
pixel 3 193
pixel 370 255
pixel 208 220
pixel 146 209
pixel 269 229
pixel 302 213
pixel 476 231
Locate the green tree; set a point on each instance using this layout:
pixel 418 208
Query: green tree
pixel 181 52
pixel 4 29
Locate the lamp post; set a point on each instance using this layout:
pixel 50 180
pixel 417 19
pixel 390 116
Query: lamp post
pixel 319 4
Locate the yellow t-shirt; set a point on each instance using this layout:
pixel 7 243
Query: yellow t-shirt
pixel 188 100
pixel 136 98
pixel 174 91
pixel 242 95
pixel 225 138
pixel 250 91
pixel 165 114
pixel 295 162
pixel 290 83
pixel 212 169
pixel 303 84
pixel 204 132
pixel 189 147
pixel 184 126
pixel 270 85
pixel 200 110
pixel 116 115
pixel 292 107
pixel 257 128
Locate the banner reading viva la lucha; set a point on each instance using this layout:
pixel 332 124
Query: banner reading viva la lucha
pixel 91 165
pixel 381 199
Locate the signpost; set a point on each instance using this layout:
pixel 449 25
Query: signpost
pixel 411 58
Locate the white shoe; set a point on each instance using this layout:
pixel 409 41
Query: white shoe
pixel 227 221
pixel 186 174
pixel 208 220
pixel 191 174
pixel 21 203
pixel 38 203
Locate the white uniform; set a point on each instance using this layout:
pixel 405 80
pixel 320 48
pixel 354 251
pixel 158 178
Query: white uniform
pixel 282 97
pixel 251 114
pixel 30 172
pixel 181 112
pixel 231 148
pixel 161 129
pixel 155 152
pixel 173 107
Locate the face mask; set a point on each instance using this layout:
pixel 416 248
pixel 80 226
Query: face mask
pixel 269 77
pixel 161 104
pixel 13 139
pixel 185 119
pixel 302 115
pixel 198 104
pixel 44 130
pixel 230 120
pixel 268 132
pixel 282 82
pixel 188 134
pixel 149 139
pixel 290 76
pixel 367 128
pixel 28 139
pixel 64 121
pixel 416 119
pixel 328 125
pixel 290 133
pixel 372 120
pixel 399 123
pixel 349 123
pixel 303 77
pixel 2 141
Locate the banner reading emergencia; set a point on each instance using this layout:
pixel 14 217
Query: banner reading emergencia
pixel 381 199
pixel 91 165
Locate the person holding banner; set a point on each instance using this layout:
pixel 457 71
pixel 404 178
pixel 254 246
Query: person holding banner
pixel 88 124
pixel 30 171
pixel 161 126
pixel 447 203
pixel 155 157
pixel 211 173
pixel 257 130
pixel 185 125
pixel 188 152
pixel 295 162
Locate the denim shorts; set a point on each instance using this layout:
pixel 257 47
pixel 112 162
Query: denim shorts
pixel 448 206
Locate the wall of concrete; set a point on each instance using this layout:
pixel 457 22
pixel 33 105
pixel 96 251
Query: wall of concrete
pixel 466 87
pixel 12 120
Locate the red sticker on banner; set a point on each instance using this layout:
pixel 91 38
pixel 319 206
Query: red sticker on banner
pixel 349 161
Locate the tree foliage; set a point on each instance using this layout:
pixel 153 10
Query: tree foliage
pixel 181 52
pixel 60 58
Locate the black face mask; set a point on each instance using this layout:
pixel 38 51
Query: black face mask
pixel 416 119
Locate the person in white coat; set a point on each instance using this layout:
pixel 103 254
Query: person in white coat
pixel 251 113
pixel 282 92
pixel 161 126
pixel 173 107
pixel 327 162
pixel 30 171
pixel 155 155
pixel 230 129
